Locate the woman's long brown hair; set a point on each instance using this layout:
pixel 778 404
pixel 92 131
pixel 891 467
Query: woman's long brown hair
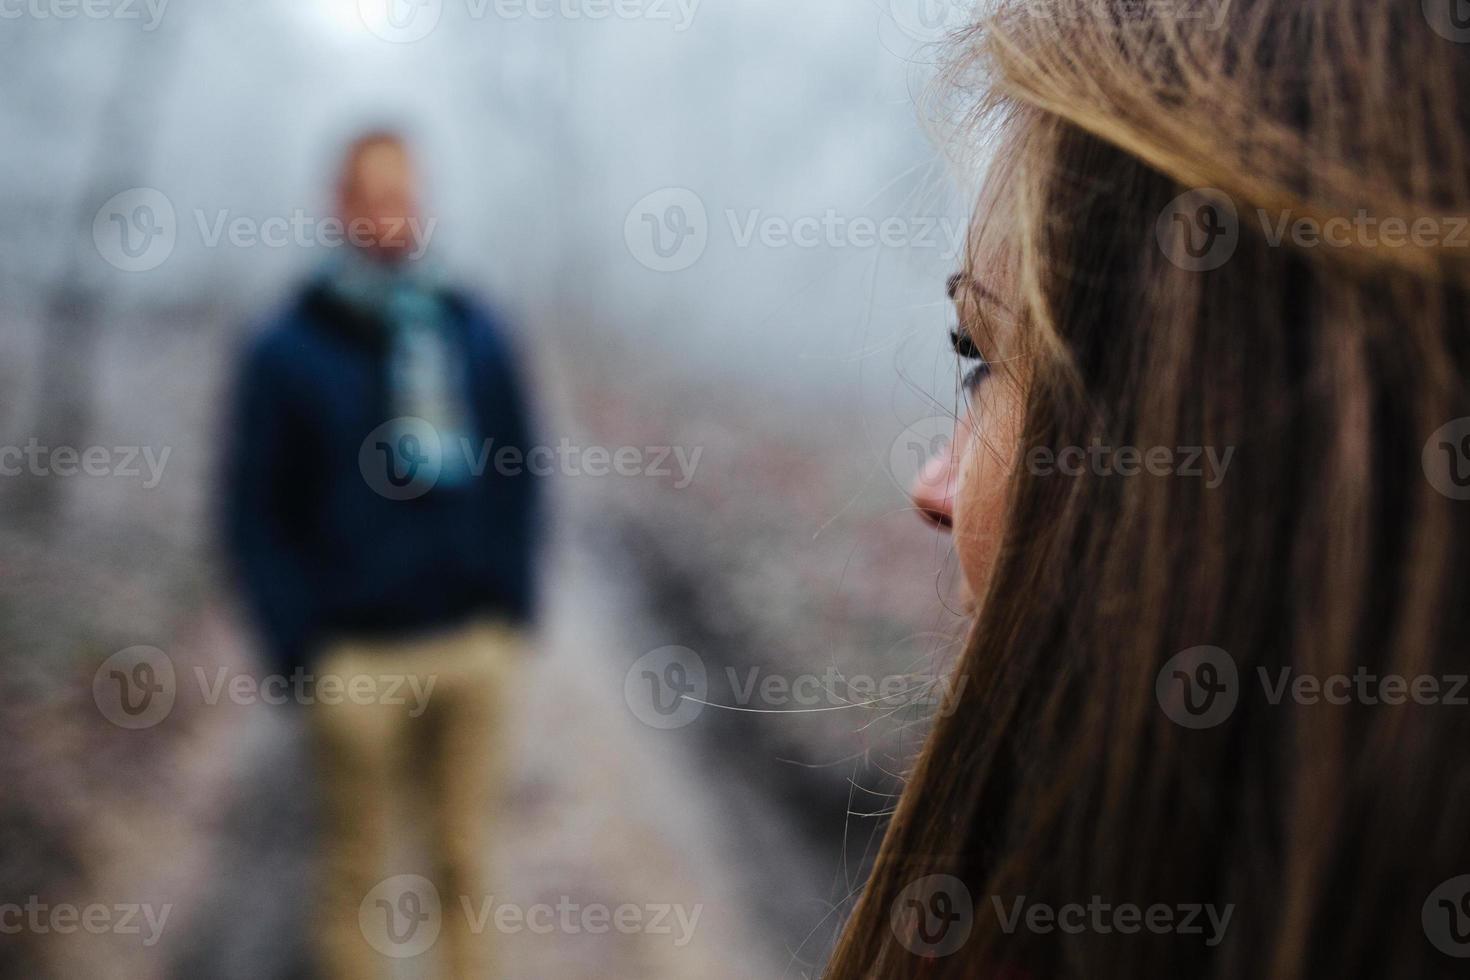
pixel 1332 546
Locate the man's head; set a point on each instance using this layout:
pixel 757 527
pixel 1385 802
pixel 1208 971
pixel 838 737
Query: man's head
pixel 377 196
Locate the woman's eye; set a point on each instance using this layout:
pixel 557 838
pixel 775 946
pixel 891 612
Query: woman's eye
pixel 966 349
pixel 964 346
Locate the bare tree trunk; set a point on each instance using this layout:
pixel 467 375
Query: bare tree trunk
pixel 74 307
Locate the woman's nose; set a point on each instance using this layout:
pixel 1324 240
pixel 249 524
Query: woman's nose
pixel 934 488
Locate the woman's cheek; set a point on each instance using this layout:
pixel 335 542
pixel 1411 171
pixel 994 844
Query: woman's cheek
pixel 989 440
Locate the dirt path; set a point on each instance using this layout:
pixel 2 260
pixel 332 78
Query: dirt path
pixel 607 812
pixel 612 812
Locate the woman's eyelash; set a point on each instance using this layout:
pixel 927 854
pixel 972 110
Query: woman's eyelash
pixel 960 339
pixel 965 346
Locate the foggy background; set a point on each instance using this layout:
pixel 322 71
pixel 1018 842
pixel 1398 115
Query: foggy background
pixel 618 187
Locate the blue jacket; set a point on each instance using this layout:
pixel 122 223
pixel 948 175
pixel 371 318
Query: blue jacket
pixel 320 552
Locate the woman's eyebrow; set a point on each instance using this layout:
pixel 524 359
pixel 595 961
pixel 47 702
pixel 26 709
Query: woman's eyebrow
pixel 959 279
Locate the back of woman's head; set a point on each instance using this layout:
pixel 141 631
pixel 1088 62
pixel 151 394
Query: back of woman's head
pixel 1223 635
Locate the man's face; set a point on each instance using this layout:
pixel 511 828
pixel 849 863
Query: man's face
pixel 378 200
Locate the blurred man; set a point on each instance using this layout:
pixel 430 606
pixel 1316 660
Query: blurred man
pixel 385 546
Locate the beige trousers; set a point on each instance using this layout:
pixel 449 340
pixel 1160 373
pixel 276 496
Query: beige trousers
pixel 410 758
